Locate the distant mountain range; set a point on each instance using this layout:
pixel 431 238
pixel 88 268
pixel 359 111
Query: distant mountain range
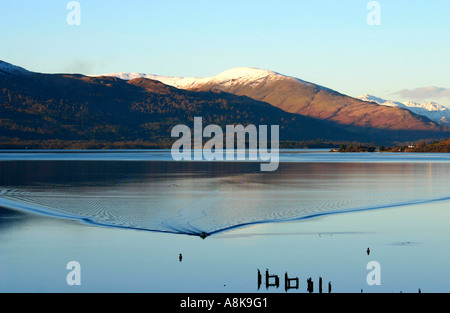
pixel 432 110
pixel 297 96
pixel 139 107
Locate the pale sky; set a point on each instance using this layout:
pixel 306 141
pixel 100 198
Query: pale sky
pixel 326 42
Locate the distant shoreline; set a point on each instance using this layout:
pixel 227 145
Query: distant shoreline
pixel 422 147
pixel 55 144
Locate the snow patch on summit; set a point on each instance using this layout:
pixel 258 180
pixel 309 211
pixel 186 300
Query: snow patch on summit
pixel 235 76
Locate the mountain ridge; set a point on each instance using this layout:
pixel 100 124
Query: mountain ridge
pixel 294 95
pixel 76 107
pixel 434 111
pixel 71 107
pixel 237 74
pixel 8 69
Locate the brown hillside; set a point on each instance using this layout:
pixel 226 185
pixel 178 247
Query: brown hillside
pixel 296 96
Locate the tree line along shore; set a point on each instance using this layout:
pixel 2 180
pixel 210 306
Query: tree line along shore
pixel 436 146
pixel 55 144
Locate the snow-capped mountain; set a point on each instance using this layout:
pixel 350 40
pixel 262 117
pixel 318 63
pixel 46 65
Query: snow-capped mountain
pixel 294 95
pixel 126 108
pixel 432 110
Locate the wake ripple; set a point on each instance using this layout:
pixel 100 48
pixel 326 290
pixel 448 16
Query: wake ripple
pixel 200 213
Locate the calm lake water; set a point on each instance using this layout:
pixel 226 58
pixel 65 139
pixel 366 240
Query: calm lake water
pixel 126 217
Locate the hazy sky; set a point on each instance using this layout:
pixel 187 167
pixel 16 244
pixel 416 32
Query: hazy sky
pixel 329 43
